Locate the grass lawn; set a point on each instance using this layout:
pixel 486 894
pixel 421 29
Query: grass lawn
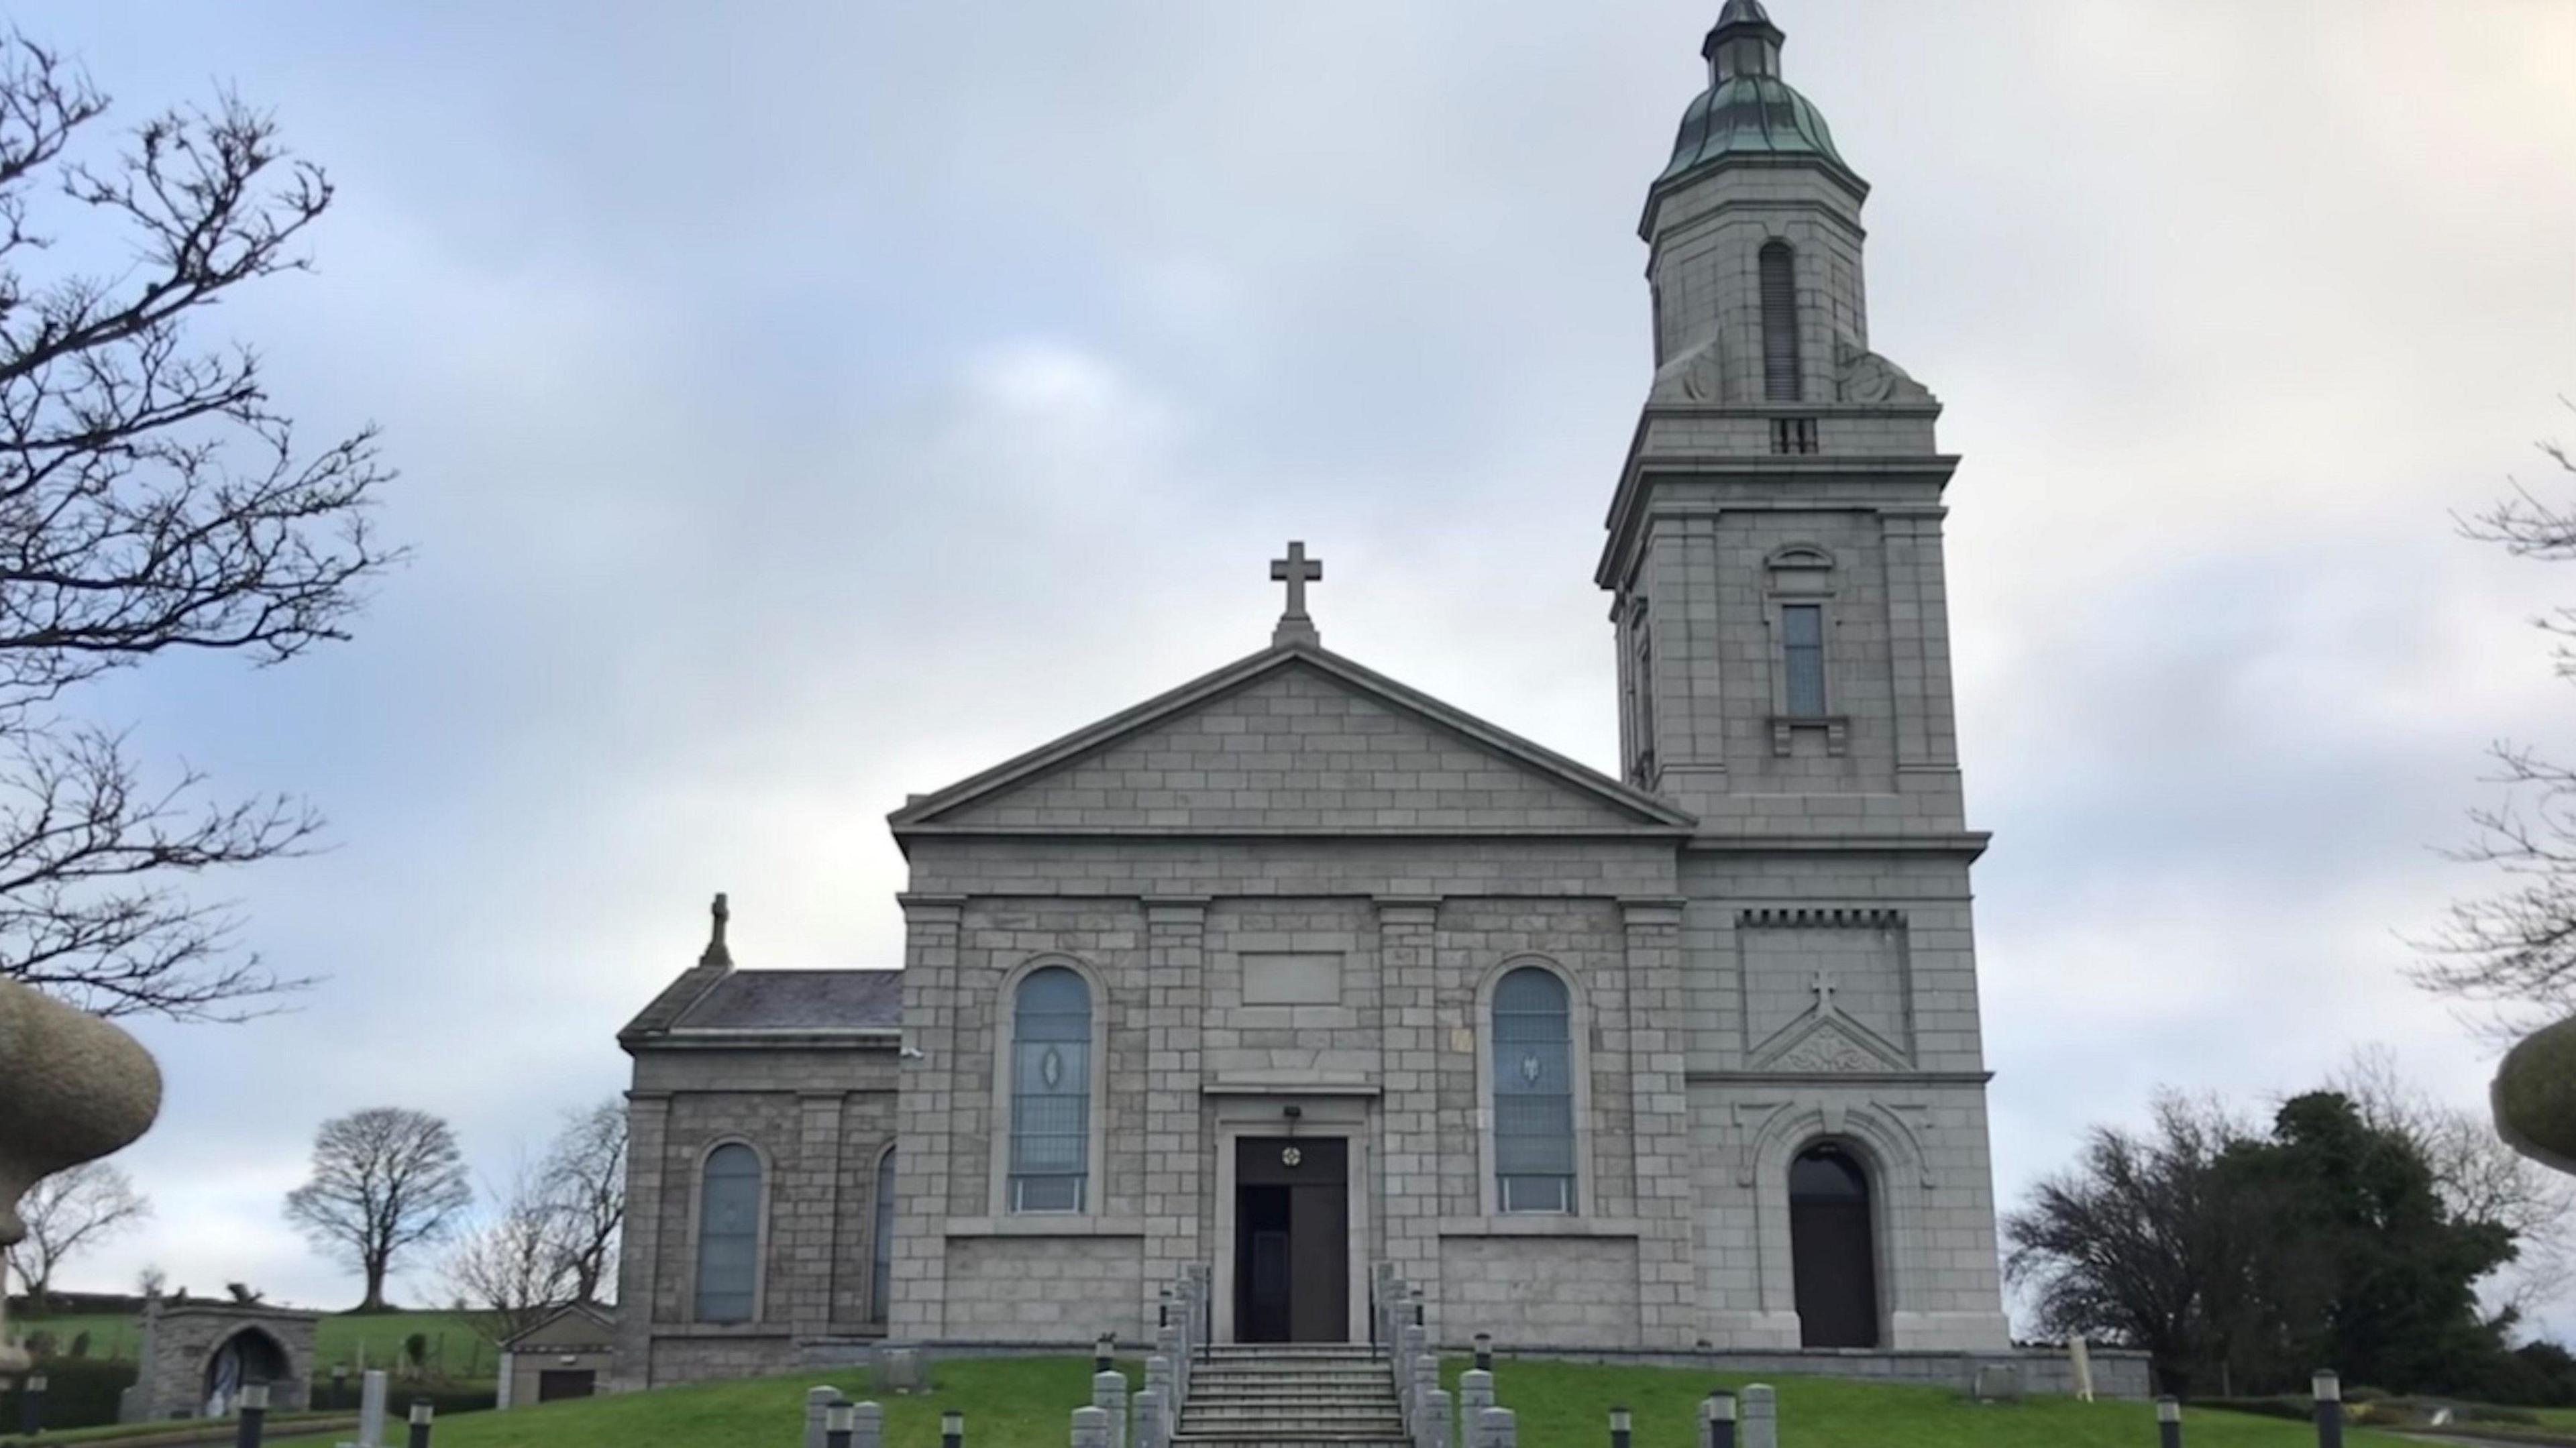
pixel 1008 1403
pixel 1025 1403
pixel 453 1338
pixel 1567 1405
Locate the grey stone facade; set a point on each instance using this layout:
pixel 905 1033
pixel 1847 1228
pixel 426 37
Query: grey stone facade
pixel 1291 885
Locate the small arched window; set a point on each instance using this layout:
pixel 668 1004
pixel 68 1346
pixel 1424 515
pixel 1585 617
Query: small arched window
pixel 1779 268
pixel 729 1234
pixel 1051 1092
pixel 1533 1093
pixel 881 1267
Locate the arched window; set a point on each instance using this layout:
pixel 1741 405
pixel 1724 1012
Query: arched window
pixel 1779 323
pixel 1533 1093
pixel 729 1234
pixel 1051 1092
pixel 881 1240
pixel 1833 1253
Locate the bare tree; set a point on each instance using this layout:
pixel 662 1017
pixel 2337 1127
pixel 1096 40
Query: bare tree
pixel 154 500
pixel 2517 946
pixel 582 1185
pixel 385 1180
pixel 2479 1177
pixel 513 1268
pixel 68 1212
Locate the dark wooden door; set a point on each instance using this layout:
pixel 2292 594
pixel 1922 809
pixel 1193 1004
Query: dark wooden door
pixel 1833 1250
pixel 554 1383
pixel 1292 1239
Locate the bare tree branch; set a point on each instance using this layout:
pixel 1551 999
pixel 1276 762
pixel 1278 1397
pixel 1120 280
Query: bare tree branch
pixel 153 499
pixel 67 1213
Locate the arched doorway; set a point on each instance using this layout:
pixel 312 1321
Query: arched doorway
pixel 248 1356
pixel 1833 1249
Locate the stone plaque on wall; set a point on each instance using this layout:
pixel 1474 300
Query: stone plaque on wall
pixel 1283 979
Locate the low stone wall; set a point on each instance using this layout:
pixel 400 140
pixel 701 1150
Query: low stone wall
pixel 2117 1373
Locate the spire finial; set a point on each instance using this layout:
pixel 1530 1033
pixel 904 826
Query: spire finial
pixel 1744 42
pixel 1296 570
pixel 716 953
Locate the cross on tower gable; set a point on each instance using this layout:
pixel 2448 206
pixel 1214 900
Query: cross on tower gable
pixel 1296 570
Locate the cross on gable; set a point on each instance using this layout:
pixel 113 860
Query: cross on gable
pixel 1296 570
pixel 1824 989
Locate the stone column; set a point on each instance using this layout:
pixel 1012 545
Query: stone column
pixel 1658 1013
pixel 642 1297
pixel 1179 1171
pixel 1109 1395
pixel 931 1028
pixel 1409 1106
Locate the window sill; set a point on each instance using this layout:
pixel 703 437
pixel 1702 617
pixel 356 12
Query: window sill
pixel 1540 1224
pixel 1835 727
pixel 1041 1224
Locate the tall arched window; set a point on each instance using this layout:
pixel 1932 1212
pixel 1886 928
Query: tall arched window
pixel 1833 1251
pixel 1779 323
pixel 1533 1093
pixel 729 1234
pixel 881 1240
pixel 1051 1092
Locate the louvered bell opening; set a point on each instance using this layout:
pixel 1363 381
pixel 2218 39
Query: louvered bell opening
pixel 1779 324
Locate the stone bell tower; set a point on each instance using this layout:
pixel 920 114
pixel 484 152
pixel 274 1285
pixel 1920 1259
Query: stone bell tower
pixel 1775 548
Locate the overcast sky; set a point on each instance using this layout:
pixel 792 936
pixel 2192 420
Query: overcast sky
pixel 803 404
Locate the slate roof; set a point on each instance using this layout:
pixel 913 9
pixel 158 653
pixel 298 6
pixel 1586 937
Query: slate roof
pixel 754 1000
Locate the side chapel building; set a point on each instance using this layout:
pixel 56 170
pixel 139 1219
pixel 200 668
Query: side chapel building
pixel 1295 968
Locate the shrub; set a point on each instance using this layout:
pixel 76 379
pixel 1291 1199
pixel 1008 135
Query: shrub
pixel 80 1345
pixel 79 1393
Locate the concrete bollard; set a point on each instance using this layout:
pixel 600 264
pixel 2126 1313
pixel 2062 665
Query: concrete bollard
pixel 840 1423
pixel 2327 1388
pixel 371 1408
pixel 1499 1428
pixel 867 1426
pixel 1149 1418
pixel 1761 1425
pixel 1717 1420
pixel 1090 1428
pixel 422 1416
pixel 1475 1395
pixel 817 1402
pixel 2168 1422
pixel 1109 1395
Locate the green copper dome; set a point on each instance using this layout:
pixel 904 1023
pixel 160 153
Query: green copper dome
pixel 1747 109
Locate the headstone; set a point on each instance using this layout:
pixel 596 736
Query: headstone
pixel 867 1426
pixel 1496 1428
pixel 2082 1357
pixel 816 1400
pixel 1090 1428
pixel 899 1371
pixel 1997 1383
pixel 371 1409
pixel 1436 1418
pixel 1760 1426
pixel 1149 1418
pixel 1475 1394
pixel 1109 1395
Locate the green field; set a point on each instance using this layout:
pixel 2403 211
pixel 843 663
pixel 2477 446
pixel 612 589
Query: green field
pixel 454 1339
pixel 1565 1405
pixel 1026 1403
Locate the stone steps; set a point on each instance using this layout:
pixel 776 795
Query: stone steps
pixel 1291 1395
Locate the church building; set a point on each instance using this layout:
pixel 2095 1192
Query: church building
pixel 1294 969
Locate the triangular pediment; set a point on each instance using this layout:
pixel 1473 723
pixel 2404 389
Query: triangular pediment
pixel 1828 1042
pixel 1291 741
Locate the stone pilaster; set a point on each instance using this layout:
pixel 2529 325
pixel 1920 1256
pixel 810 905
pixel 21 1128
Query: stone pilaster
pixel 805 1217
pixel 1409 1107
pixel 648 1118
pixel 917 1304
pixel 1176 1149
pixel 1661 1130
